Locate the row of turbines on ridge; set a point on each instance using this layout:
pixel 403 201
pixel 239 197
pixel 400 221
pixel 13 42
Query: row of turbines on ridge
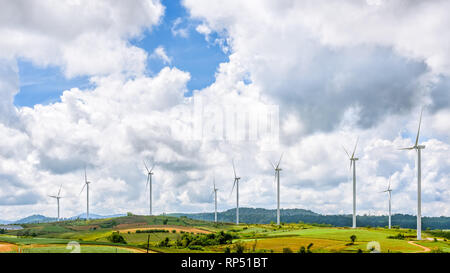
pixel 277 169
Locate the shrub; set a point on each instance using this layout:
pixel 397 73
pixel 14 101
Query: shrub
pixel 353 238
pixel 399 236
pixel 302 250
pixel 287 250
pixel 437 250
pixel 116 238
pixel 193 247
pixel 164 243
pixel 239 248
pixel 227 250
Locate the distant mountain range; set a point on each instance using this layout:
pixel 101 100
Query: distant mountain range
pixel 266 216
pixel 37 218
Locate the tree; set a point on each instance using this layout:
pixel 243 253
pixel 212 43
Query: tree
pixel 353 238
pixel 116 238
pixel 287 250
pixel 239 248
pixel 302 250
pixel 164 243
pixel 308 248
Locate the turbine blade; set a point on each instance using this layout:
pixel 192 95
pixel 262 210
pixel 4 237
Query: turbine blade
pixel 148 181
pixel 418 131
pixel 85 175
pixel 354 150
pixel 272 164
pixel 409 148
pixel 389 186
pixel 234 170
pixel 279 161
pixel 234 184
pixel 214 182
pixel 83 188
pixel 59 192
pixel 52 196
pixel 145 166
pixel 346 152
pixel 152 167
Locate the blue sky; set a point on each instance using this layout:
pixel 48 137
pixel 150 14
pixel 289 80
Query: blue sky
pixel 44 85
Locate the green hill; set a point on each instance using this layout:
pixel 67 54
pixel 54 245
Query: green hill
pixel 265 216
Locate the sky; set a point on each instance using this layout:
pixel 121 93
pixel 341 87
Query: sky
pixel 191 86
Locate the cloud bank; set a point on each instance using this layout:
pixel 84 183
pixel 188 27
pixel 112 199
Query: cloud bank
pixel 337 70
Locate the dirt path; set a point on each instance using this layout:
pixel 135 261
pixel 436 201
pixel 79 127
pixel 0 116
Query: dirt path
pixel 425 249
pixel 4 247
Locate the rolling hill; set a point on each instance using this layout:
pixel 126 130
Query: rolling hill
pixel 265 216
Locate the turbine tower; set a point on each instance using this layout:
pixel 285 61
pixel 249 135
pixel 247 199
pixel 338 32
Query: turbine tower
pixel 353 160
pixel 236 183
pixel 86 184
pixel 149 182
pixel 389 191
pixel 57 197
pixel 277 177
pixel 215 200
pixel 418 148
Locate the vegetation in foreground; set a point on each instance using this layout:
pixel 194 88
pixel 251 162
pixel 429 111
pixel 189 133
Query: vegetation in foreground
pixel 171 234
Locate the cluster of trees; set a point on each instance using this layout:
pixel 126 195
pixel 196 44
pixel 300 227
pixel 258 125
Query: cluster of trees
pixel 302 249
pixel 399 236
pixel 196 241
pixel 26 233
pixel 115 237
pixel 219 238
pixel 440 233
pixel 2 231
pixel 152 231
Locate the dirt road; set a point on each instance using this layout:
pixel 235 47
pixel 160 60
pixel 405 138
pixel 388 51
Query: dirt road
pixel 425 249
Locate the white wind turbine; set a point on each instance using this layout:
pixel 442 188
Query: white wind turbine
pixel 215 199
pixel 57 197
pixel 149 182
pixel 86 184
pixel 353 160
pixel 236 183
pixel 277 177
pixel 418 148
pixel 389 191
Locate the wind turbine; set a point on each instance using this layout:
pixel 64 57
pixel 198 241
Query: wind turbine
pixel 149 181
pixel 215 200
pixel 86 184
pixel 389 190
pixel 57 197
pixel 277 177
pixel 418 148
pixel 236 183
pixel 353 160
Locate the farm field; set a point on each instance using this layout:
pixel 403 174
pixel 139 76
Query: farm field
pixel 168 234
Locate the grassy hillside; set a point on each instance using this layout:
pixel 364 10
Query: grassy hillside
pixel 266 216
pixel 180 234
